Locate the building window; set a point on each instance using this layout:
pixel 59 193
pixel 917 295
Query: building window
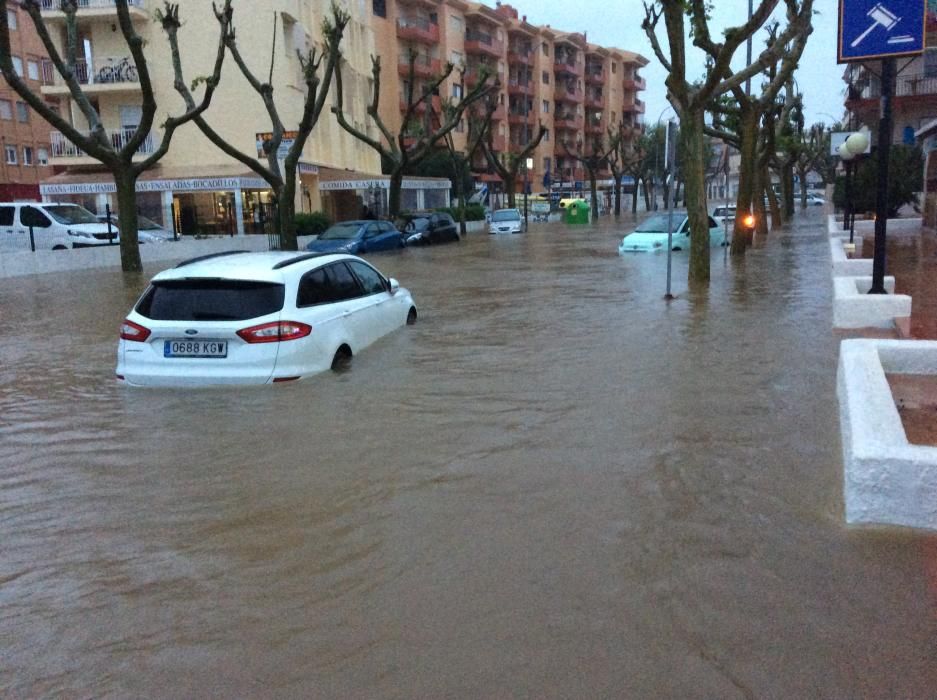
pixel 32 69
pixel 546 134
pixel 456 24
pixel 456 58
pixel 6 109
pixel 10 154
pixel 545 48
pixel 18 65
pixel 460 127
pixel 546 107
pixel 27 155
pixel 379 8
pixel 614 67
pixel 42 155
pixel 22 112
pixel 457 91
pixel 11 19
pixel 546 78
pixel 546 165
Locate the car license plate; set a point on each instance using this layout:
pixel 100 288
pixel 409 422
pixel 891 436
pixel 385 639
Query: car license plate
pixel 195 348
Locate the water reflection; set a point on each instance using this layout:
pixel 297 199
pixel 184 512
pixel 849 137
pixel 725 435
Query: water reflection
pixel 554 485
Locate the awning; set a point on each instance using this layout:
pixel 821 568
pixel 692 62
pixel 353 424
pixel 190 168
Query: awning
pixel 156 180
pixel 333 179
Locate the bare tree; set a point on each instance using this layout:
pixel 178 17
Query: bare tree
pixel 692 99
pixel 510 163
pixel 283 183
pixel 592 162
pixel 479 129
pixel 114 150
pixel 394 148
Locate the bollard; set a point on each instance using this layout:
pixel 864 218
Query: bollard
pixel 110 233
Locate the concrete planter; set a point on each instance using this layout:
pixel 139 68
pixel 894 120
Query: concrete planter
pixel 848 267
pixel 887 480
pixel 853 307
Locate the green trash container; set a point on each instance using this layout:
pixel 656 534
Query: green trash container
pixel 577 212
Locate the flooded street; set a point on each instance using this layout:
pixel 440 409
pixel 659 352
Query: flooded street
pixel 554 485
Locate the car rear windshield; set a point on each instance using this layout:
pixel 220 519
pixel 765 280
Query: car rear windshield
pixel 506 215
pixel 210 300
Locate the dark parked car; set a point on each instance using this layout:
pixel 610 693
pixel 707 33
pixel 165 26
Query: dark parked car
pixel 357 237
pixel 429 228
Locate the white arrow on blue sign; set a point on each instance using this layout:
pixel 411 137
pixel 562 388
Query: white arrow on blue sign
pixel 870 29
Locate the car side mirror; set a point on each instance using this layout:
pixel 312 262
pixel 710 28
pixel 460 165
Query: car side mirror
pixel 394 285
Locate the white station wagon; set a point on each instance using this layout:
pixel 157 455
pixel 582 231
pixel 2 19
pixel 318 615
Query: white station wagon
pixel 257 318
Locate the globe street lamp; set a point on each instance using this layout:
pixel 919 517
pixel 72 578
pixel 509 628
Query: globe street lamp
pixel 854 146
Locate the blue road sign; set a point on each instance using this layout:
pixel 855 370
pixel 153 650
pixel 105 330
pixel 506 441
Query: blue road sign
pixel 870 29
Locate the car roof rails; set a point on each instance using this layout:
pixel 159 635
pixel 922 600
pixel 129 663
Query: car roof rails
pixel 200 258
pixel 299 258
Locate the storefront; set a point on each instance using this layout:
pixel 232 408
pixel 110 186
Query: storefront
pixel 351 195
pixel 206 205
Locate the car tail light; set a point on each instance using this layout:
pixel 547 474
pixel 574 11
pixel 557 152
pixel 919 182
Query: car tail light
pixel 133 331
pixel 275 332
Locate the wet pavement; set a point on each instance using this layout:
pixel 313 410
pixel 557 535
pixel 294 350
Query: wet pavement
pixel 554 485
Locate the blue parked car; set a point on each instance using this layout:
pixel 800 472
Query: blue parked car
pixel 357 237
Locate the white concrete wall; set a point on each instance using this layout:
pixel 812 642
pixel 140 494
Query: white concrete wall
pixel 848 267
pixel 886 480
pixel 853 307
pixel 866 227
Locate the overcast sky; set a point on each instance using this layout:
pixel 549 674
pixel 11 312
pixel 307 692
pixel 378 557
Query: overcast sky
pixel 618 23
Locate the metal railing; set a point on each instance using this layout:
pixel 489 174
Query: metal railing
pixel 62 147
pixel 905 86
pixel 108 70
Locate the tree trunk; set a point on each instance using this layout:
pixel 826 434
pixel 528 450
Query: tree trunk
pixel 510 183
pixel 634 197
pixel 126 184
pixel 787 190
pixel 748 163
pixel 758 203
pixel 694 172
pixel 594 189
pixel 803 188
pixel 647 196
pixel 393 194
pixel 286 199
pixel 617 196
pixel 777 216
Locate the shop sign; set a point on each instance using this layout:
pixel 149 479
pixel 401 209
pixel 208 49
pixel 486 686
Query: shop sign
pixel 308 168
pixel 285 145
pixel 193 185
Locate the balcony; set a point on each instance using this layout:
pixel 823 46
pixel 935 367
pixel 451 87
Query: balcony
pixel 417 29
pixel 595 128
pixel 567 93
pixel 500 114
pixel 913 85
pixel 65 150
pixel 595 101
pixel 595 75
pixel 90 10
pixel 420 107
pixel 423 66
pixel 520 87
pixel 634 83
pixel 639 106
pixel 520 119
pixel 519 54
pixel 473 75
pixel 483 44
pixel 567 121
pixel 563 66
pixel 107 74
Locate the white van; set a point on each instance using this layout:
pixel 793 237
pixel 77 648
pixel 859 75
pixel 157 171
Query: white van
pixel 55 227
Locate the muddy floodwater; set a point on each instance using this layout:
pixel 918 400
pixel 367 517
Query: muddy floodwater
pixel 554 485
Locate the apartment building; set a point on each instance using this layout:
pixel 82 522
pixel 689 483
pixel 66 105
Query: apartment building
pixel 24 135
pixel 196 187
pixel 577 90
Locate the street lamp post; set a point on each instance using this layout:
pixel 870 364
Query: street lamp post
pixel 528 164
pixel 854 146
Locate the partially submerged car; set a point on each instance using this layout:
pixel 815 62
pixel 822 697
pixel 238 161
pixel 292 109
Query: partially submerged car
pixel 651 234
pixel 257 318
pixel 429 228
pixel 148 231
pixel 357 237
pixel 506 221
